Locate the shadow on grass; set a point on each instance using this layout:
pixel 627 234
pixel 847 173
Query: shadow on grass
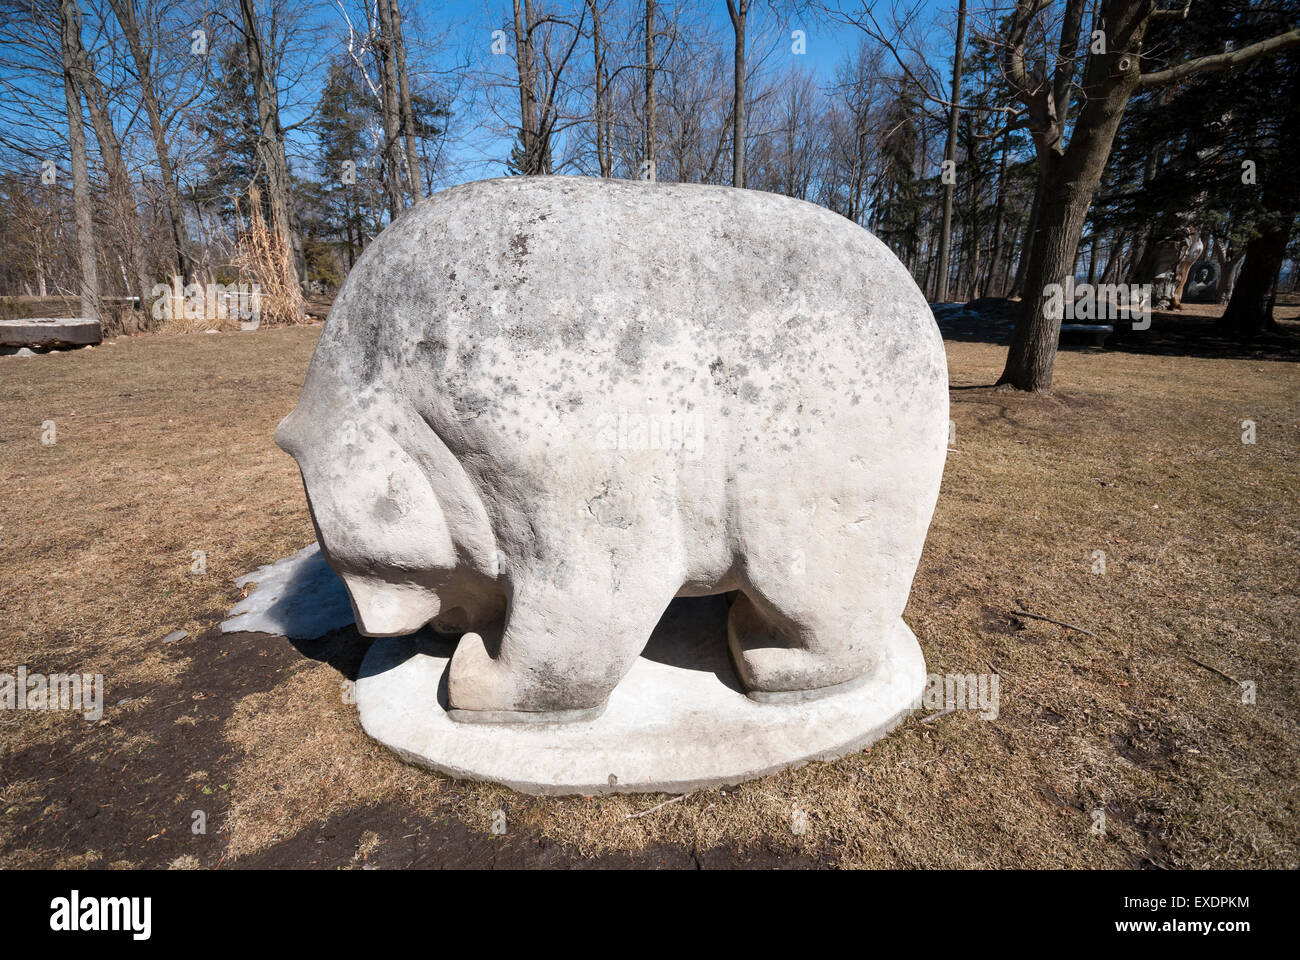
pixel 1173 333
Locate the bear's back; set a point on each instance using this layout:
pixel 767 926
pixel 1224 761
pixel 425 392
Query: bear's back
pixel 613 270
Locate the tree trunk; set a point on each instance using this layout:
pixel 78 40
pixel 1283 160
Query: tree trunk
pixel 1191 256
pixel 390 111
pixel 1114 254
pixel 739 10
pixel 529 134
pixel 950 155
pixel 651 133
pixel 1250 311
pixel 1031 230
pixel 1013 242
pixel 991 285
pixel 602 146
pixel 405 105
pixel 1051 258
pixel 1231 271
pixel 88 287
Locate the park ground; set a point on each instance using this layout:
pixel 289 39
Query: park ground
pixel 1142 709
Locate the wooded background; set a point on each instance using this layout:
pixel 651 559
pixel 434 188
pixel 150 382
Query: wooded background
pixel 996 147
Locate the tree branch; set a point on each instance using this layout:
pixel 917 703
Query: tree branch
pixel 1222 61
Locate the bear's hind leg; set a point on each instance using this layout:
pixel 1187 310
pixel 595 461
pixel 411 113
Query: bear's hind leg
pixel 787 651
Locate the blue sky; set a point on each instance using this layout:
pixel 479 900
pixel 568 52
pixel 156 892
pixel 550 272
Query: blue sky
pixel 471 22
pixel 475 150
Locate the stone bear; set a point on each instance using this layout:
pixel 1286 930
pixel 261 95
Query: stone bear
pixel 543 407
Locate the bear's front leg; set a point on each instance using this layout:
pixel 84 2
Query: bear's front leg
pixel 561 650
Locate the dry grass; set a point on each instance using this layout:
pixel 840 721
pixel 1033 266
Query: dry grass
pixel 264 255
pixel 163 448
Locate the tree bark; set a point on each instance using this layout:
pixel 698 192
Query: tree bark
pixel 405 104
pixel 1051 257
pixel 390 111
pixel 603 157
pixel 525 64
pixel 1231 270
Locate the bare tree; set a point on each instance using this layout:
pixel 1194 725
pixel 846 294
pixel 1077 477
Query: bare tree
pixel 128 19
pixel 950 155
pixel 651 131
pixel 124 213
pixel 406 108
pixel 389 108
pixel 738 10
pixel 88 287
pixel 270 141
pixel 541 60
pixel 600 108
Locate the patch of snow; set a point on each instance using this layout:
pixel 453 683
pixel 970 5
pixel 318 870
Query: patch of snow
pixel 298 597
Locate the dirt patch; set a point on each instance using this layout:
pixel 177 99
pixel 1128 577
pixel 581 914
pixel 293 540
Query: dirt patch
pixel 151 781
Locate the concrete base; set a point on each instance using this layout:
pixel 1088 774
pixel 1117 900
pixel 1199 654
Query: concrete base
pixel 679 720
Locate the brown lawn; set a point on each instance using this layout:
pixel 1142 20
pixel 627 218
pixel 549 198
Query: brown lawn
pixel 163 448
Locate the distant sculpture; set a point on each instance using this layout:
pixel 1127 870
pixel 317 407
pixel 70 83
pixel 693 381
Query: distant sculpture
pixel 543 407
pixel 1168 262
pixel 1203 282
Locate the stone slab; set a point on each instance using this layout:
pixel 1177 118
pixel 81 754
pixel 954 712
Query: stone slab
pixel 50 331
pixel 678 721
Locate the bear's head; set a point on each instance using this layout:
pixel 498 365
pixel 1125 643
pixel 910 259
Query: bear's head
pixel 377 517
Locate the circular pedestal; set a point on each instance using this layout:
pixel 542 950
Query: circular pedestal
pixel 678 721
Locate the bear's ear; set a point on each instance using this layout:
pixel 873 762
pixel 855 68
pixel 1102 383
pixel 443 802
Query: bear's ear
pixel 375 509
pixel 325 414
pixel 288 435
